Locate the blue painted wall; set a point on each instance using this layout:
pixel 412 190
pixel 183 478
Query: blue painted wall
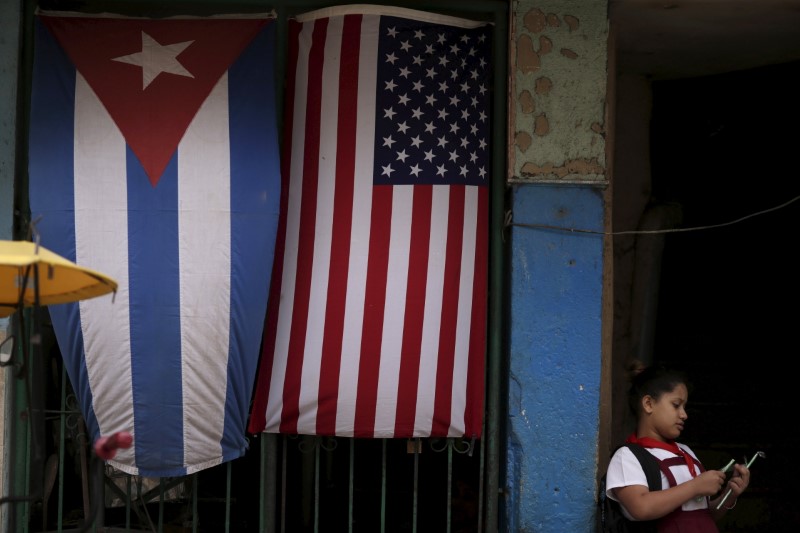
pixel 555 358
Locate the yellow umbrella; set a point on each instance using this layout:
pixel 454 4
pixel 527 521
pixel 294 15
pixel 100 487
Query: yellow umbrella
pixel 60 280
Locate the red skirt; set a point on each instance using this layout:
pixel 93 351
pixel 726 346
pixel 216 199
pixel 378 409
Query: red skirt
pixel 680 521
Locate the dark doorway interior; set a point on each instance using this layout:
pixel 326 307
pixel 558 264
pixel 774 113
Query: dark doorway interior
pixel 726 147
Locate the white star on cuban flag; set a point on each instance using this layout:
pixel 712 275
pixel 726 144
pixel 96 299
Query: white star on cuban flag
pixel 156 58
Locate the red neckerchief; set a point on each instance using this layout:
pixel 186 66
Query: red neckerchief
pixel 670 446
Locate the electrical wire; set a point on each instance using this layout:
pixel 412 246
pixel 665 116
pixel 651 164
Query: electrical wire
pixel 644 232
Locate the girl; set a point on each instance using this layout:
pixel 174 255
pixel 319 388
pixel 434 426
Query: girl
pixel 658 398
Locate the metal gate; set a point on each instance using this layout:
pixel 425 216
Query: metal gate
pixel 284 483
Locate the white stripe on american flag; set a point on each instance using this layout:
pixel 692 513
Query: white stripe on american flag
pixel 360 229
pixel 101 238
pixel 433 306
pixel 394 311
pixel 465 303
pixel 326 183
pixel 204 216
pixel 276 388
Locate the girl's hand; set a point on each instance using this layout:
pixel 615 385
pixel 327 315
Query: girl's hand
pixel 739 480
pixel 709 483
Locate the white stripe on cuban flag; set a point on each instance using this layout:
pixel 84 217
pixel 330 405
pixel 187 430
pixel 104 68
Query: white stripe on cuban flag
pixel 173 358
pixel 101 239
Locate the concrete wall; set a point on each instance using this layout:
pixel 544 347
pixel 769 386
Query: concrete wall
pixel 559 173
pixel 554 382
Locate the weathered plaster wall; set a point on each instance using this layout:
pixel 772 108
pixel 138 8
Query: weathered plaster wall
pixel 558 88
pixel 558 167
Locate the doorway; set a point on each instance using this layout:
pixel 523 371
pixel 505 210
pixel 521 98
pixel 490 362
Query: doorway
pixel 724 148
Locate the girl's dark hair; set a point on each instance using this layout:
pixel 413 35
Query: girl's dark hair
pixel 654 381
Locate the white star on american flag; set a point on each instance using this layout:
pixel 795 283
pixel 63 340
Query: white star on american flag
pixel 434 105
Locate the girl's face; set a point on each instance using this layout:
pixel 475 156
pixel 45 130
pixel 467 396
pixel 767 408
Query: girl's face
pixel 668 413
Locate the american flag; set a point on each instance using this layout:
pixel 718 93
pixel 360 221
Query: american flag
pixel 376 324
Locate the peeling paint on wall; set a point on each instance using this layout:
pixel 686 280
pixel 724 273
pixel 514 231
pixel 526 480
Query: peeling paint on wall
pixel 523 141
pixel 526 102
pixel 577 167
pixel 569 54
pixel 534 20
pixel 527 58
pixel 541 126
pixel 572 22
pixel 543 86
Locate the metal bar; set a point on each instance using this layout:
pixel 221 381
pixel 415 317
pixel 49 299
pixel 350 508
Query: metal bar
pixel 119 492
pixel 481 492
pixel 417 448
pixel 128 501
pixel 268 482
pixel 317 446
pixel 168 485
pixel 62 424
pixel 350 486
pixel 283 488
pixel 195 488
pixel 262 485
pixel 26 506
pixel 81 440
pixel 229 469
pixel 36 394
pixel 496 266
pixel 16 436
pixel 449 483
pixel 383 485
pixel 160 505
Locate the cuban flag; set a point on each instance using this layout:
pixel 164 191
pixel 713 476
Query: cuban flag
pixel 154 159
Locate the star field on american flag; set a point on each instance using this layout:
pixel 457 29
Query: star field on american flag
pixel 432 121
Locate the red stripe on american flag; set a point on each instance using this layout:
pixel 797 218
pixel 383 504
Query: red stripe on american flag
pixel 308 216
pixel 408 383
pixel 340 235
pixel 449 316
pixel 473 413
pixel 374 306
pixel 258 420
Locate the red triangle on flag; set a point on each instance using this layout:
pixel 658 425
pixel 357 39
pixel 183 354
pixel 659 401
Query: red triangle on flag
pixel 152 75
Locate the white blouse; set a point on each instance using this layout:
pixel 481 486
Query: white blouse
pixel 625 470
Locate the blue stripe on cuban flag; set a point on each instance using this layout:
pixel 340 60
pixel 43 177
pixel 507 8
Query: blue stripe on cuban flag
pixel 173 357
